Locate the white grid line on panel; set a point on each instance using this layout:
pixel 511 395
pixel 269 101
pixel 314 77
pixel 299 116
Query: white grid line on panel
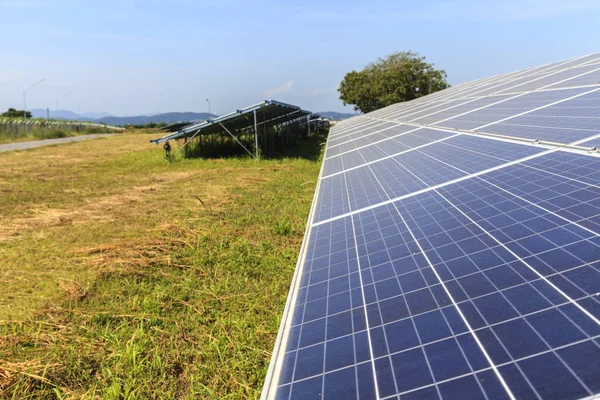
pixel 538 108
pixel 466 322
pixel 391 156
pixel 540 276
pixel 462 178
pixel 362 290
pixel 376 142
pixel 383 122
pixel 515 255
pixel 371 134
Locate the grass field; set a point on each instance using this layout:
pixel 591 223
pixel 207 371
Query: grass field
pixel 127 277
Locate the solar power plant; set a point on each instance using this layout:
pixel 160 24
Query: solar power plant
pixel 453 248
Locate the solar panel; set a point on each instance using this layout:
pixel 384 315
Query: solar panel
pixel 453 248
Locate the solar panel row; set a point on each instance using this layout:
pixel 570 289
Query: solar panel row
pixel 444 263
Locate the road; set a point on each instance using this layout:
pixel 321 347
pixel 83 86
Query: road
pixel 47 142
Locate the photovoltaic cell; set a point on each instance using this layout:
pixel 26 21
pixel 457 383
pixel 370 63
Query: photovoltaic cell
pixel 569 76
pixel 463 108
pixel 398 143
pixel 591 78
pixel 401 114
pixel 447 265
pixel 432 110
pixel 382 135
pixel 512 86
pixel 509 108
pixel 566 122
pixel 332 199
pixel 351 136
pixel 590 58
pixel 462 152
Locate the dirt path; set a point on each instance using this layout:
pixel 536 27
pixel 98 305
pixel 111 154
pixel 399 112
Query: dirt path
pixel 47 142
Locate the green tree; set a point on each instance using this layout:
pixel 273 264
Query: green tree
pixel 398 77
pixel 12 113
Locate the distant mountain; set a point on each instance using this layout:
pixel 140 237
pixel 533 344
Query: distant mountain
pixel 336 116
pixel 167 118
pixel 103 117
pixel 62 114
pixel 95 115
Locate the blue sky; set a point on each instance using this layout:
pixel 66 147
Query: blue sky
pixel 130 57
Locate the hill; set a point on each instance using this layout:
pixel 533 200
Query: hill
pixel 167 118
pixel 336 116
pixel 62 114
pixel 108 119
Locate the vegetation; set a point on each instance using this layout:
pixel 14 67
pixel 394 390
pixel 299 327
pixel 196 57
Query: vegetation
pixel 147 125
pixel 125 276
pixel 399 77
pixel 19 133
pixel 12 113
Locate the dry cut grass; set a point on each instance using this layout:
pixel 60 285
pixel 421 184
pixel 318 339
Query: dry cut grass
pixel 125 276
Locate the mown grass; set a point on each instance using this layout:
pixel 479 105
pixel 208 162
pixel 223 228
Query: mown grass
pixel 128 277
pixel 20 133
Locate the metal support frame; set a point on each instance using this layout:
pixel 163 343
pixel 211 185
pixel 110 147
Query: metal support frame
pixel 255 136
pixel 187 142
pixel 234 138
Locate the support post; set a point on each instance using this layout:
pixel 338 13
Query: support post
pixel 255 136
pixel 308 123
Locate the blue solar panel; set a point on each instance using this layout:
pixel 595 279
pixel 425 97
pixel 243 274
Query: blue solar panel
pixel 351 135
pixel 369 137
pixel 512 85
pixel 509 108
pixel 461 109
pixel 396 142
pixel 448 265
pixel 474 154
pixel 571 78
pixel 571 198
pixel 332 199
pixel 431 110
pixel 403 114
pixel 588 59
pixel 566 122
pixel 590 78
pixel 332 165
pixel 418 138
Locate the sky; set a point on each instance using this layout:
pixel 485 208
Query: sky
pixel 134 57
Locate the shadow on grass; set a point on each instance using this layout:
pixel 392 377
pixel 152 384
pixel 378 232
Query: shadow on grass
pixel 308 148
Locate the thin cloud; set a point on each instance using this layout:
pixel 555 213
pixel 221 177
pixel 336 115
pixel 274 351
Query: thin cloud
pixel 21 4
pixel 467 10
pixel 279 89
pixel 316 92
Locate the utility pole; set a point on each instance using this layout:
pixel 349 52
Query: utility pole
pixel 25 99
pixel 208 101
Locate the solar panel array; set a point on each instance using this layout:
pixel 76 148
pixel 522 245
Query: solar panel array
pixel 453 248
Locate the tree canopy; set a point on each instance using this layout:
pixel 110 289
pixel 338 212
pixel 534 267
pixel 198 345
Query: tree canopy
pixel 12 113
pixel 398 77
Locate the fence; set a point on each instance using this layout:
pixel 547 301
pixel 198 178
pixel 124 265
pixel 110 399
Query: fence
pixel 17 126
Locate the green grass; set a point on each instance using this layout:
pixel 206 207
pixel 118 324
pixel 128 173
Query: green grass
pixel 139 279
